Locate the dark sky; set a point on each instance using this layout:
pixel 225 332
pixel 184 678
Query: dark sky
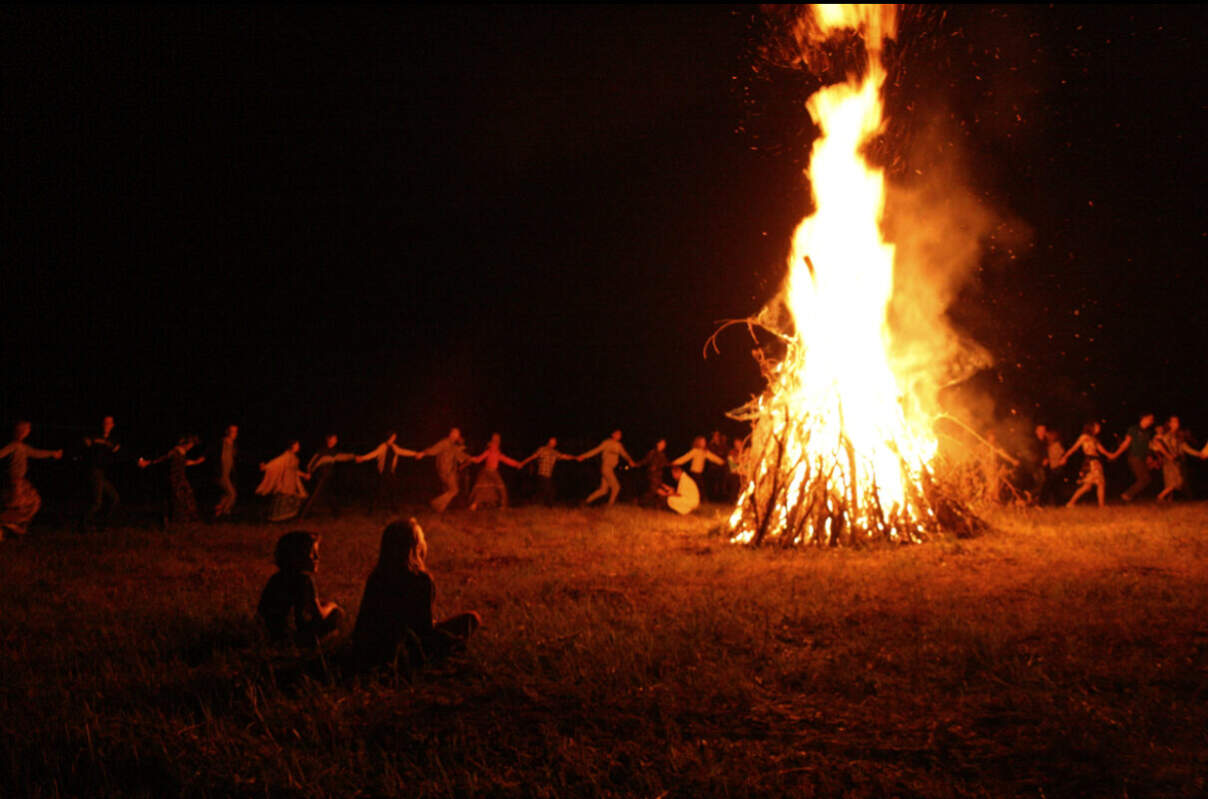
pixel 529 219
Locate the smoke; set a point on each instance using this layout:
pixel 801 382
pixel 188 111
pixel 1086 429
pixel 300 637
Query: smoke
pixel 941 229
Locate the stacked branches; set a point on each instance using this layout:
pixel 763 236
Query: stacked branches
pixel 807 486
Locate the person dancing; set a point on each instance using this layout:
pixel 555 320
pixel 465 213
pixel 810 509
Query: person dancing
pixel 282 483
pixel 20 501
pixel 450 455
pixel 489 487
pixel 610 451
pixel 1092 475
pixel 182 503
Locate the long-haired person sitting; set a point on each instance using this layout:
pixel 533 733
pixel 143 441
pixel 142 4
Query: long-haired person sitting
pixel 396 617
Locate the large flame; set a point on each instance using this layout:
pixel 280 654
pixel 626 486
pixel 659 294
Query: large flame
pixel 833 453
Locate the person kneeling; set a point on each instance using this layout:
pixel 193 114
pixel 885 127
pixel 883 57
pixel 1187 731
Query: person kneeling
pixel 685 497
pixel 291 592
pixel 396 617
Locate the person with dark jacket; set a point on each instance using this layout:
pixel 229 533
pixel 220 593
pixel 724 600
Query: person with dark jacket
pixel 100 452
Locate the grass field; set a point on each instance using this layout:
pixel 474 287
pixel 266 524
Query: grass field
pixel 626 653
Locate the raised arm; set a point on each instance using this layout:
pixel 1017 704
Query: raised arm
pixel 709 455
pixel 515 464
pixel 591 453
pixel 682 459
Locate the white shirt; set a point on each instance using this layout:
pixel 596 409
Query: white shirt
pixel 686 497
pixel 697 456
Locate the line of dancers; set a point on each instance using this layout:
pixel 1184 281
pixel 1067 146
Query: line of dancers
pixel 1147 446
pixel 293 490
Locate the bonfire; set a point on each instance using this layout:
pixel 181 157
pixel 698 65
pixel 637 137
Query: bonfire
pixel 839 452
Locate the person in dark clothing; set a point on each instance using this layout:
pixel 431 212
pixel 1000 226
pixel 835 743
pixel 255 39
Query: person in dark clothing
pixel 396 620
pixel 182 504
pixel 320 469
pixel 386 487
pixel 290 594
pixel 547 458
pixel 655 463
pixel 1139 443
pixel 100 452
pixel 1053 485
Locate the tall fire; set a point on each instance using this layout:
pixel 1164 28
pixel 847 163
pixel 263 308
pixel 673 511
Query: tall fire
pixel 838 452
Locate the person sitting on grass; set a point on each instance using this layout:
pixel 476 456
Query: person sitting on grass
pixel 291 592
pixel 685 497
pixel 396 619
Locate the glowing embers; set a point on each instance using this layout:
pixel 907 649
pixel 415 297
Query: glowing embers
pixel 832 456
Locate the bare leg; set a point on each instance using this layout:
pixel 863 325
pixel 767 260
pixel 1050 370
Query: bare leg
pixel 1082 489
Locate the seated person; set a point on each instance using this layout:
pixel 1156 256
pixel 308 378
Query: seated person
pixel 396 617
pixel 291 592
pixel 685 497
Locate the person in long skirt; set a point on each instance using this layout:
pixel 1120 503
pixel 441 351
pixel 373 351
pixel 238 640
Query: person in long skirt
pixel 282 484
pixel 20 502
pixel 1172 446
pixel 1092 475
pixel 182 503
pixel 321 468
pixel 489 488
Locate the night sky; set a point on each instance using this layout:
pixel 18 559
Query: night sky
pixel 530 219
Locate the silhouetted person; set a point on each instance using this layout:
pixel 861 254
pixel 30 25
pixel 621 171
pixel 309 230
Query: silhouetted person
pixel 736 464
pixel 396 618
pixel 655 462
pixel 1054 471
pixel 610 451
pixel 547 458
pixel 100 452
pixel 450 455
pixel 715 471
pixel 182 504
pixel 1139 442
pixel 385 457
pixel 226 473
pixel 321 468
pixel 289 604
pixel 19 502
pixel 489 487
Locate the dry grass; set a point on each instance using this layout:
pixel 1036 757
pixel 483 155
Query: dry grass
pixel 627 653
